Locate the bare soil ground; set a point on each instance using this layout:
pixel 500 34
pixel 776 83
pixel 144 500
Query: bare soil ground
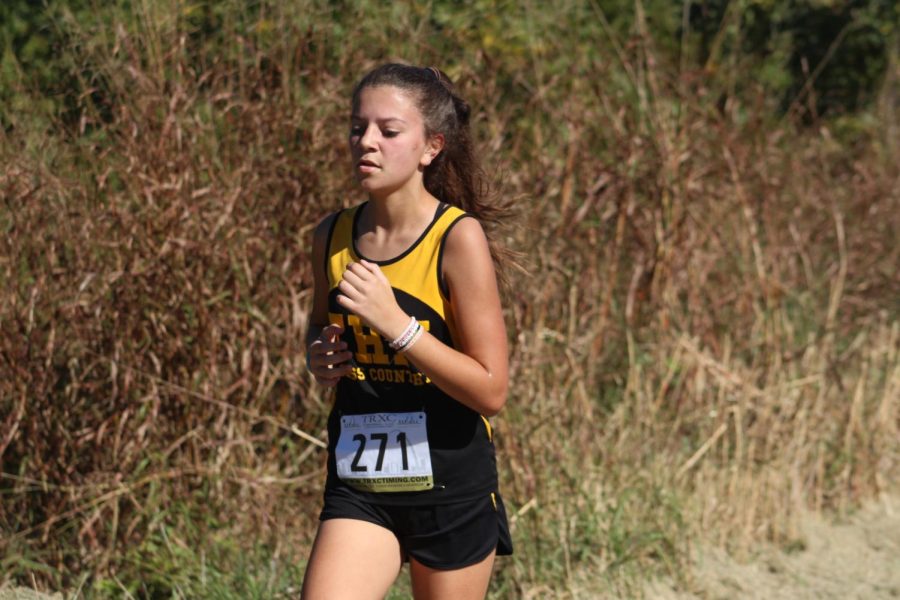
pixel 857 557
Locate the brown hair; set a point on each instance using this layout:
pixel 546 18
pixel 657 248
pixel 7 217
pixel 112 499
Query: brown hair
pixel 454 176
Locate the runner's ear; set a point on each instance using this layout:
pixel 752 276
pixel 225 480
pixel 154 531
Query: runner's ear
pixel 433 146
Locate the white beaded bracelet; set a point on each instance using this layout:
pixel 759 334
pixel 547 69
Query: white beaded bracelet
pixel 415 338
pixel 404 337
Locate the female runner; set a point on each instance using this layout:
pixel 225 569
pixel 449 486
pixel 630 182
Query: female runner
pixel 406 322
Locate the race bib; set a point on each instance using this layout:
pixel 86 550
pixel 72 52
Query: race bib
pixel 385 452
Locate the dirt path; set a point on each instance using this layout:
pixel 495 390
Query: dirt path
pixel 857 558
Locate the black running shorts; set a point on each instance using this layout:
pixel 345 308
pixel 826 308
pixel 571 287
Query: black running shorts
pixel 442 536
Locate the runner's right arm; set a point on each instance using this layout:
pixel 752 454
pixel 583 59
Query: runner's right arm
pixel 327 356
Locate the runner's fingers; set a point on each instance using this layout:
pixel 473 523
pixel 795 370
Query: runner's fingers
pixel 353 279
pixel 329 360
pixel 337 359
pixel 329 357
pixel 330 347
pixel 329 376
pixel 331 332
pixel 369 267
pixel 373 269
pixel 319 348
pixel 349 290
pixel 360 269
pixel 347 302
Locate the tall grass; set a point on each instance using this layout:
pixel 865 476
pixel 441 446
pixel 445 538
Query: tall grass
pixel 706 341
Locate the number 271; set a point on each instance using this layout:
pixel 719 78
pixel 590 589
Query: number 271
pixel 382 438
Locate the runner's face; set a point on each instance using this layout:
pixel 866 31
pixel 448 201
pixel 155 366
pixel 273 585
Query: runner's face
pixel 387 140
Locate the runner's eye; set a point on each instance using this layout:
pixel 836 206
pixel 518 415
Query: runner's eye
pixel 391 133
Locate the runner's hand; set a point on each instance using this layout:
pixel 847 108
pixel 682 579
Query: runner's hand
pixel 329 359
pixel 365 291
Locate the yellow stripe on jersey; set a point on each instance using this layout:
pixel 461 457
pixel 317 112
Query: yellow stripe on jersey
pixel 490 430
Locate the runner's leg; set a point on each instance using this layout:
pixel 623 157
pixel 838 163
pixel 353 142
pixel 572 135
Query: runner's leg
pixel 467 583
pixel 351 560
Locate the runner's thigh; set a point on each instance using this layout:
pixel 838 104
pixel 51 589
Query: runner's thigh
pixel 351 560
pixel 466 583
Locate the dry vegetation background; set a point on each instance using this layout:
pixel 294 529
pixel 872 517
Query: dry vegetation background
pixel 706 341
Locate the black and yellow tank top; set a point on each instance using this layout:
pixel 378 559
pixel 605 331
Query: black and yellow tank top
pixel 383 382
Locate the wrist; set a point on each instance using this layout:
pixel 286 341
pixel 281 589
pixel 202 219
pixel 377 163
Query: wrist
pixel 397 326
